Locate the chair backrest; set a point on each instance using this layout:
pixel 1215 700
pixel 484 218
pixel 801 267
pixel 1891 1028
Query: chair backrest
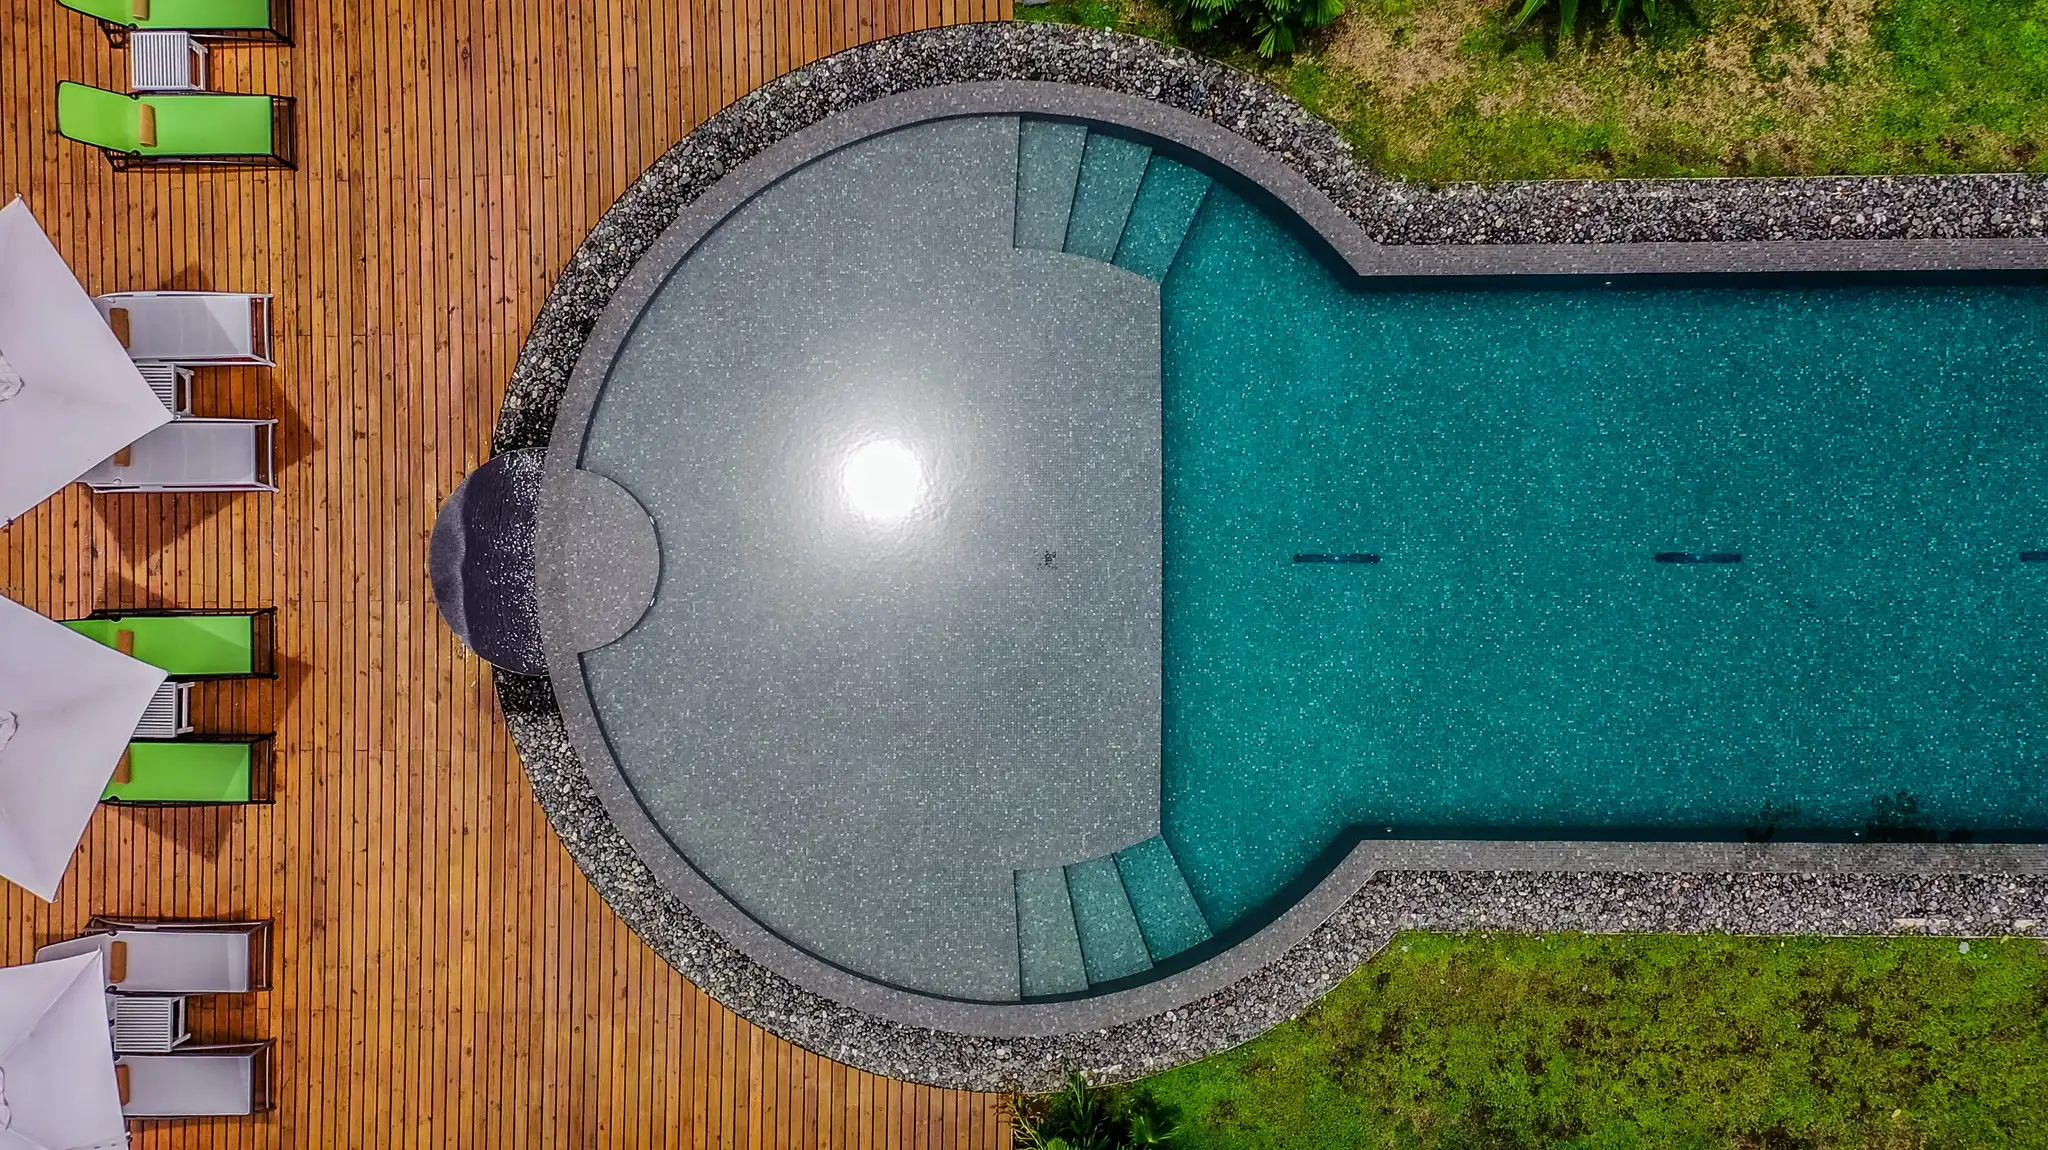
pixel 96 116
pixel 110 11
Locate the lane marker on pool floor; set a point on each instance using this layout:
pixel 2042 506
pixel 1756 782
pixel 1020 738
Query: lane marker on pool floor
pixel 1699 557
pixel 2034 556
pixel 1347 557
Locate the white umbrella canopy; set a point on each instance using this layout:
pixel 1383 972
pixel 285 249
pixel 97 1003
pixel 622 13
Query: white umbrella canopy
pixel 57 1086
pixel 68 707
pixel 69 395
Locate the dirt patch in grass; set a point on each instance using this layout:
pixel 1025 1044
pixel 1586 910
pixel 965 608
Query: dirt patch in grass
pixel 1400 49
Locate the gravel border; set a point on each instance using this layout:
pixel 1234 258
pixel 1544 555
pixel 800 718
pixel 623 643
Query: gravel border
pixel 1366 900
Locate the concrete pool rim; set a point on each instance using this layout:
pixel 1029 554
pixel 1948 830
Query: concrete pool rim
pixel 1225 998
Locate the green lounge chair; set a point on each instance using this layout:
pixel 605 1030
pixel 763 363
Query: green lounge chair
pixel 177 129
pixel 191 644
pixel 212 19
pixel 195 771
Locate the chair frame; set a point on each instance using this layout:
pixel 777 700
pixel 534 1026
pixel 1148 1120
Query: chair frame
pixel 279 32
pixel 262 774
pixel 283 152
pixel 259 936
pixel 262 635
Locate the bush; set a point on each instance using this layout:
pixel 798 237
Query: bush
pixel 1271 25
pixel 1081 1117
pixel 1619 13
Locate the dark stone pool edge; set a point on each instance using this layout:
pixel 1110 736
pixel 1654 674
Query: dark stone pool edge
pixel 1382 887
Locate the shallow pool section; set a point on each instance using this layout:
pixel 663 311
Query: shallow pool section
pixel 906 480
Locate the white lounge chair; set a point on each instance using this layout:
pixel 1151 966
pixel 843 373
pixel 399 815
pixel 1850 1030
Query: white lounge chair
pixel 196 1081
pixel 194 455
pixel 173 956
pixel 190 327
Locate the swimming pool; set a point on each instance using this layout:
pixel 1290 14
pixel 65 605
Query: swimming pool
pixel 1064 557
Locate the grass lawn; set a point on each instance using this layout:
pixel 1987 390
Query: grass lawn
pixel 1642 1041
pixel 1441 90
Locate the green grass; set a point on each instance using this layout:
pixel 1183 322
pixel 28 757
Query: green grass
pixel 1642 1041
pixel 1441 90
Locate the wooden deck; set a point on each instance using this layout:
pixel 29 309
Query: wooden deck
pixel 444 976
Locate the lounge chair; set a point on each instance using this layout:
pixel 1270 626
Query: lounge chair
pixel 212 19
pixel 174 956
pixel 196 1081
pixel 178 129
pixel 196 328
pixel 199 770
pixel 190 644
pixel 193 455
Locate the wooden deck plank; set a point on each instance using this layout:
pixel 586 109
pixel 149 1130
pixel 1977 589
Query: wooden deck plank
pixel 442 975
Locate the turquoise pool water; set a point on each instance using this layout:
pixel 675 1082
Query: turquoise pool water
pixel 1517 664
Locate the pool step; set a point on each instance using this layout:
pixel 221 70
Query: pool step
pixel 1160 217
pixel 1048 167
pixel 1165 905
pixel 1112 944
pixel 1103 919
pixel 1102 196
pixel 1048 944
pixel 1112 169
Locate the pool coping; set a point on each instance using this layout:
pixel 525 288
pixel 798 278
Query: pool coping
pixel 1266 140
